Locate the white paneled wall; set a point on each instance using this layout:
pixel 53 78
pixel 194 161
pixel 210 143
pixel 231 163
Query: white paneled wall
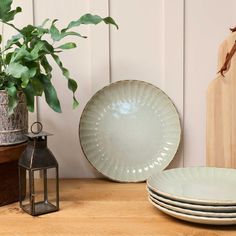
pixel 169 43
pixel 65 142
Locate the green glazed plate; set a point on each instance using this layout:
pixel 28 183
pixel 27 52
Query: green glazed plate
pixel 196 219
pixel 185 205
pixel 197 185
pixel 128 130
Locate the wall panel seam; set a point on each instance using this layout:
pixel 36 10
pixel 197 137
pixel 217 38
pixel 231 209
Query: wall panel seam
pixel 183 68
pixel 163 53
pixel 173 60
pixel 109 41
pixel 36 98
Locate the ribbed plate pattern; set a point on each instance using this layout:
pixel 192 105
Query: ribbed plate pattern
pixel 199 185
pixel 128 130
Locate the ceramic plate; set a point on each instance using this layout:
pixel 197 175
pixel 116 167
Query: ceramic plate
pixel 194 212
pixel 196 219
pixel 192 206
pixel 128 130
pixel 200 185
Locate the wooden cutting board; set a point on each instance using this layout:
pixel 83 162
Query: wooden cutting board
pixel 221 112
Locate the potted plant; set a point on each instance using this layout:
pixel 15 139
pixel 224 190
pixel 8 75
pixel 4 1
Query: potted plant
pixel 25 71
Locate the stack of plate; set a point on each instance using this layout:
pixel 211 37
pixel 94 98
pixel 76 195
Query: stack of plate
pixel 204 195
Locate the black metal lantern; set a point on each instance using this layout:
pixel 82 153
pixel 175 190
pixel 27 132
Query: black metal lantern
pixel 38 175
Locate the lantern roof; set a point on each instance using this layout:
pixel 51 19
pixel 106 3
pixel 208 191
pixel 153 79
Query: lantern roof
pixel 37 156
pixel 36 135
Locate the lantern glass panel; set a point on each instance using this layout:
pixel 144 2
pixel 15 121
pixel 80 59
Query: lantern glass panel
pixel 25 189
pixel 52 186
pixel 45 188
pixel 38 186
pixel 45 191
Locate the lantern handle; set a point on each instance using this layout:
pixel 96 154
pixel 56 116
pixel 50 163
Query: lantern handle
pixel 39 127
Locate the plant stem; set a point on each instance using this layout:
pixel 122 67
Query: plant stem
pixel 1 61
pixel 2 51
pixel 14 27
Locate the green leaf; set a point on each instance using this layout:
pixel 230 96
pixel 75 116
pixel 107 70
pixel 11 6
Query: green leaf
pixel 29 94
pixel 67 46
pixel 65 72
pixel 40 48
pixel 2 81
pixel 45 64
pixel 37 48
pixel 75 103
pixel 19 54
pixel 109 20
pixel 40 32
pixel 5 7
pixel 56 35
pixel 25 80
pixel 6 14
pixel 37 86
pixel 72 85
pixel 8 58
pixel 44 22
pixel 10 16
pixel 12 99
pixel 85 19
pixel 30 32
pixel 90 19
pixel 23 73
pixel 27 31
pixel 32 72
pixel 71 33
pixel 50 94
pixel 54 31
pixel 15 39
pixel 48 48
pixel 16 70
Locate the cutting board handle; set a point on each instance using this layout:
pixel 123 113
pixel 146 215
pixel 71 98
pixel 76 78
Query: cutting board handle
pixel 228 58
pixel 233 29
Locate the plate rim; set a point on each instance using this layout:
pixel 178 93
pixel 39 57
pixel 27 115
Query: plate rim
pixel 190 218
pixel 192 200
pixel 193 212
pixel 125 81
pixel 216 208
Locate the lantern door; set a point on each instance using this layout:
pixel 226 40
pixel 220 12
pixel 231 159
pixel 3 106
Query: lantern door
pixel 40 192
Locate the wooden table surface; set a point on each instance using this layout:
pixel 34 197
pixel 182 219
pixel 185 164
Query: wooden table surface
pixel 101 208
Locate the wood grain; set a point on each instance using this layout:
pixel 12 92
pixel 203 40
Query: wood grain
pixel 9 184
pixel 11 153
pixel 102 208
pixel 221 113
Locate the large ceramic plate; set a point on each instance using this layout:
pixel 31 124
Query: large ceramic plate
pixel 196 219
pixel 192 206
pixel 128 130
pixel 199 185
pixel 194 212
